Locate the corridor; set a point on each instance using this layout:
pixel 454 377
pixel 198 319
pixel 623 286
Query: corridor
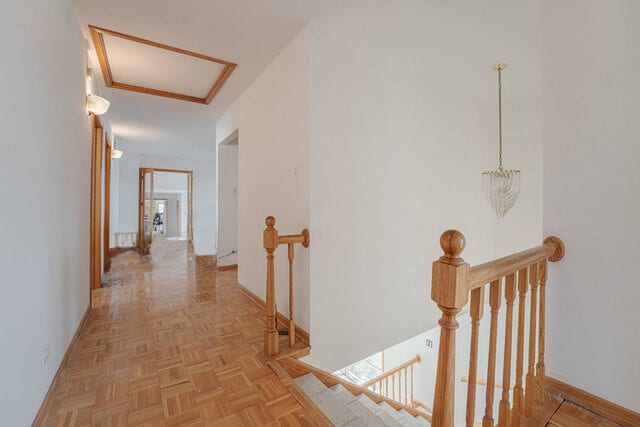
pixel 172 342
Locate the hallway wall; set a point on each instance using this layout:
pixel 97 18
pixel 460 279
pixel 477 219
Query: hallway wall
pixel 228 203
pixel 592 194
pixel 44 188
pixel 271 117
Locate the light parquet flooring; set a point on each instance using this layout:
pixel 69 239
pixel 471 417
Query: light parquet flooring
pixel 176 343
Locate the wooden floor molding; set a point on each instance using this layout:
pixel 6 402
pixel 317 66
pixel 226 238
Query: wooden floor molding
pixel 283 321
pixel 609 410
pixel 48 398
pixel 227 267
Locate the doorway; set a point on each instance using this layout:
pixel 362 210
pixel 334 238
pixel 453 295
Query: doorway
pixel 95 235
pixel 161 193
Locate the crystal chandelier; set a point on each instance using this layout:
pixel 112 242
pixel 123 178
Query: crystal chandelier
pixel 500 187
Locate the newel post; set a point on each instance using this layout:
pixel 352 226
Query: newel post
pixel 450 290
pixel 270 243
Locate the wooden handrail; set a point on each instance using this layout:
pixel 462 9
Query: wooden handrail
pixel 419 404
pixel 390 372
pixel 482 274
pixel 271 241
pixel 454 283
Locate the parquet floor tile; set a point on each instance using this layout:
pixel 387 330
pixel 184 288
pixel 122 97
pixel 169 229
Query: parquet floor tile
pixel 175 343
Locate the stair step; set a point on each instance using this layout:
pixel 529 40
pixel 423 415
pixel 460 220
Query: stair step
pixel 342 408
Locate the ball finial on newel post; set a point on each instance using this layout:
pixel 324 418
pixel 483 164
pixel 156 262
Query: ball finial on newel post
pixel 270 221
pixel 452 243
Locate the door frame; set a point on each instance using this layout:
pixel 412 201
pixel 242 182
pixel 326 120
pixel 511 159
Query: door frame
pixel 107 204
pixel 95 247
pixel 141 196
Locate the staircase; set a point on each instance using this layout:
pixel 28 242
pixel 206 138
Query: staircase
pixel 344 409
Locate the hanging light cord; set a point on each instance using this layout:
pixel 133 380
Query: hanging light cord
pixel 500 116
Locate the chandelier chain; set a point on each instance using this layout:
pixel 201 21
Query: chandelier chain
pixel 500 117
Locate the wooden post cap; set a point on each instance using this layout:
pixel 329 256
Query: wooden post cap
pixel 452 243
pixel 559 244
pixel 270 221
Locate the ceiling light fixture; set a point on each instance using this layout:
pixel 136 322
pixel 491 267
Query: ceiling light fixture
pixel 97 105
pixel 500 187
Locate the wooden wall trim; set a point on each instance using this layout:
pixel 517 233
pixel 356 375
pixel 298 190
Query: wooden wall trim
pixel 48 399
pixel 282 319
pixel 227 267
pixel 602 407
pixel 97 35
pixel 319 418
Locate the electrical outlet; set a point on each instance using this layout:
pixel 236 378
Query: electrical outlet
pixel 429 343
pixel 45 355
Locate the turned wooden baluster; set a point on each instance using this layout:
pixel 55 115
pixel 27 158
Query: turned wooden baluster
pixel 476 312
pixel 270 243
pixel 406 382
pixel 292 323
pixel 510 297
pixel 529 394
pixel 541 326
pixel 450 290
pixel 518 394
pixel 495 295
pixel 411 369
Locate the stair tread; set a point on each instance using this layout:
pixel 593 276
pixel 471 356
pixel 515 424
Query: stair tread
pixel 342 393
pixel 310 384
pixel 333 408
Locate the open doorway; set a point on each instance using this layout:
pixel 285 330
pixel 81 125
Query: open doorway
pixel 228 203
pixel 165 206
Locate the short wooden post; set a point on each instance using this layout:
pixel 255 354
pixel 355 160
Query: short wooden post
pixel 510 297
pixel 270 243
pixel 476 311
pixel 292 323
pixel 530 379
pixel 450 290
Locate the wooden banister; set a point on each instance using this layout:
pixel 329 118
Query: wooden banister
pixel 401 390
pixel 482 274
pixel 454 282
pixel 271 241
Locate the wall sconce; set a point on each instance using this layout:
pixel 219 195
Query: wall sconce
pixel 97 105
pixel 115 154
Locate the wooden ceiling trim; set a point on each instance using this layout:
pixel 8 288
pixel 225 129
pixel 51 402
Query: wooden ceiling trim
pixel 103 59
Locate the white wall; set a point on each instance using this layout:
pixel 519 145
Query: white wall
pixel 592 194
pixel 44 188
pixel 204 196
pixel 128 181
pixel 403 121
pixel 227 203
pixel 170 181
pixel 273 151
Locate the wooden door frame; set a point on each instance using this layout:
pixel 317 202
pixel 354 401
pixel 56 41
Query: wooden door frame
pixel 189 174
pixel 107 204
pixel 95 249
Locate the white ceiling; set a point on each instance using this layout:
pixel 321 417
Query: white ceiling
pixel 249 33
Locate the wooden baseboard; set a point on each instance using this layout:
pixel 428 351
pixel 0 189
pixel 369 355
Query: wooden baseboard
pixel 602 407
pixel 206 260
pixel 48 398
pixel 282 319
pixel 227 267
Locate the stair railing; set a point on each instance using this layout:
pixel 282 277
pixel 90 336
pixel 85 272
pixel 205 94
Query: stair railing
pixel 271 241
pixel 454 284
pixel 401 390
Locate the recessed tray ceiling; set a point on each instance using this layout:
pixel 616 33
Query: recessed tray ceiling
pixel 140 65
